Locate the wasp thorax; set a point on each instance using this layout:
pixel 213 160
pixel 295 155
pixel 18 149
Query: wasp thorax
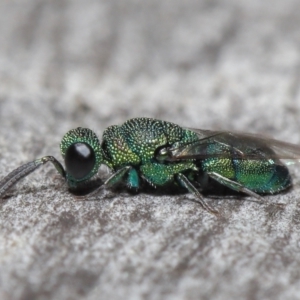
pixel 80 160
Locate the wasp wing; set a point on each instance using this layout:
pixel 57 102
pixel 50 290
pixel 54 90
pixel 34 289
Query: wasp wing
pixel 237 145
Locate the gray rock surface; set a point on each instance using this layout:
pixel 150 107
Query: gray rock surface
pixel 232 64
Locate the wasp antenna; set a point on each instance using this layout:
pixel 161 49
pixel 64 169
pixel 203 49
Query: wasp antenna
pixel 21 172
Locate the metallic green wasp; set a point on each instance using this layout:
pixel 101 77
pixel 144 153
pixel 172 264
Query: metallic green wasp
pixel 162 153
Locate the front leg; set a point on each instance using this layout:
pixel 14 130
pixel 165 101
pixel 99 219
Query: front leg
pixel 118 176
pixel 115 178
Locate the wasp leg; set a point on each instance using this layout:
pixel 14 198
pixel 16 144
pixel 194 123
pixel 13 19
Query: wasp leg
pixel 233 185
pixel 183 181
pixel 111 181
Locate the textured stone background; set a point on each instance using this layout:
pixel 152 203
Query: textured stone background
pixel 230 64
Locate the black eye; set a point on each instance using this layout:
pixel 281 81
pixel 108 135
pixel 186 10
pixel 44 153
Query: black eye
pixel 80 160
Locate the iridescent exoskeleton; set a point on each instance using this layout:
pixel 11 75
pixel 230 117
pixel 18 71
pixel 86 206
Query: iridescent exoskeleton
pixel 161 153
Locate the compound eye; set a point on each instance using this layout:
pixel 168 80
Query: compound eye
pixel 80 160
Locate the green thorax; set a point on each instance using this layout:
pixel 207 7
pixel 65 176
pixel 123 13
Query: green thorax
pixel 137 140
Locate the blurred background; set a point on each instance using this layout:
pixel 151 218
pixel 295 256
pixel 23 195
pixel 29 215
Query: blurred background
pixel 198 63
pixel 215 64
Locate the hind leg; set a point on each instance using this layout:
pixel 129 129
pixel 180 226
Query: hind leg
pixel 233 185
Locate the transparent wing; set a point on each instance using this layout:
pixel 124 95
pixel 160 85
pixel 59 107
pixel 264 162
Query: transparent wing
pixel 233 145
